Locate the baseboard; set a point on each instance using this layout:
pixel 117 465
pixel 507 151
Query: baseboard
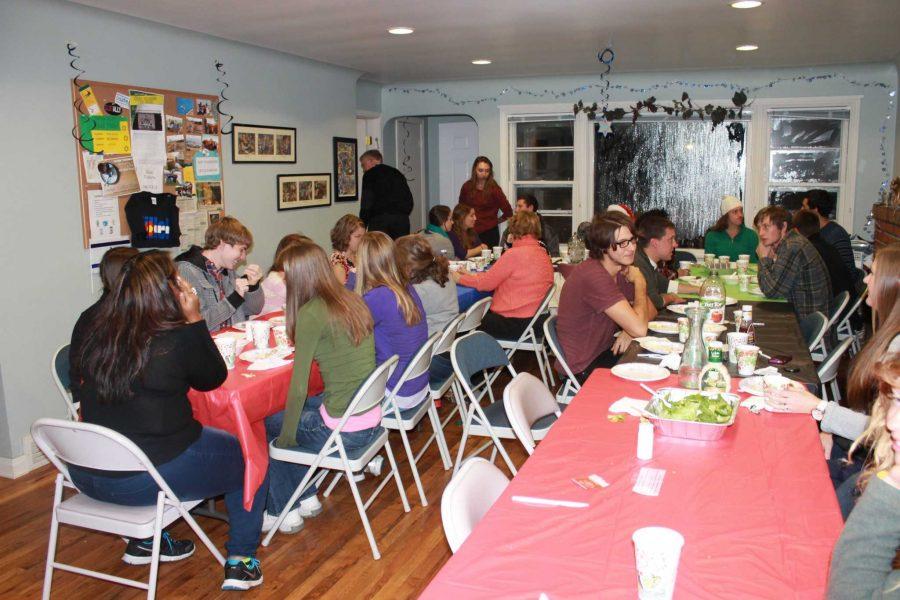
pixel 13 468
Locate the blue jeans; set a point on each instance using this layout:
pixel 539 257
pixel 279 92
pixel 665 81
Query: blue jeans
pixel 312 433
pixel 211 466
pixel 440 370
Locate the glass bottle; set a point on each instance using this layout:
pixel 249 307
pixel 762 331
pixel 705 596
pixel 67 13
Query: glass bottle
pixel 576 249
pixel 712 297
pixel 694 354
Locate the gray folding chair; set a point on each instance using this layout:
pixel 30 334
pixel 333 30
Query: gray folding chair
pixel 814 326
pixel 571 386
pixel 59 370
pixel 828 370
pixel 533 339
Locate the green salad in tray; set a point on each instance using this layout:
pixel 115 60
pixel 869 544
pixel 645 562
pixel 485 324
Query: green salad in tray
pixel 695 407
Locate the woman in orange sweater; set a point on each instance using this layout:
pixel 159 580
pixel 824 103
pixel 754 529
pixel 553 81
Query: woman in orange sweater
pixel 519 280
pixel 486 196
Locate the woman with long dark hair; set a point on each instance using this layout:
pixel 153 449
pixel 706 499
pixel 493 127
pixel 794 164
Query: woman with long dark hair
pixel 462 232
pixel 149 346
pixel 485 195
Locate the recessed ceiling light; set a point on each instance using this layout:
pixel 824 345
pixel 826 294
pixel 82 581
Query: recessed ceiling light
pixel 746 4
pixel 747 48
pixel 400 30
pixel 481 61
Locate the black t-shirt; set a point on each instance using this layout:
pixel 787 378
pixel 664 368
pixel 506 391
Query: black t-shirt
pixel 153 220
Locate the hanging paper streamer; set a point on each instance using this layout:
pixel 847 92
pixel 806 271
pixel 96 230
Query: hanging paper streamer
pixel 404 164
pixel 78 103
pixel 606 58
pixel 226 124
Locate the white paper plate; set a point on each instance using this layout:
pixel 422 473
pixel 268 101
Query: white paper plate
pixel 752 385
pixel 668 327
pixel 659 345
pixel 275 321
pixel 692 280
pixel 678 309
pixel 264 354
pixel 713 328
pixel 640 372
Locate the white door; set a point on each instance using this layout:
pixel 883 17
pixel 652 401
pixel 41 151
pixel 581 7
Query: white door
pixel 410 132
pixel 367 138
pixel 457 149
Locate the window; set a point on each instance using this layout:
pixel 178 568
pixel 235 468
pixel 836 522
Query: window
pixel 543 164
pixel 806 150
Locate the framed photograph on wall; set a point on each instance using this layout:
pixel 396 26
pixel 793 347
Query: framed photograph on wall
pixel 345 169
pixel 262 144
pixel 303 191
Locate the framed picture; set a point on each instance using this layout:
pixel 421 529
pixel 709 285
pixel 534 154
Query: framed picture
pixel 260 144
pixel 303 191
pixel 345 169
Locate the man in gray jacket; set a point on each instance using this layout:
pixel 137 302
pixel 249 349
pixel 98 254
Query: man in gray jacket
pixel 225 299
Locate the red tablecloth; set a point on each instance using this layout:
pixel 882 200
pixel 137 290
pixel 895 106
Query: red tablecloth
pixel 756 508
pixel 240 405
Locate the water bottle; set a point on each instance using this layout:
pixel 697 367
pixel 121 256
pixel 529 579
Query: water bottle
pixel 712 298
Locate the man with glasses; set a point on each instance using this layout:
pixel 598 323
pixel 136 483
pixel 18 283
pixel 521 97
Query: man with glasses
pixel 601 296
pixel 656 242
pixel 789 266
pixel 225 299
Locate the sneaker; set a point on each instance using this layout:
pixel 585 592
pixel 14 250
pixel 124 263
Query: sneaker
pixel 140 552
pixel 310 507
pixel 292 523
pixel 374 466
pixel 242 574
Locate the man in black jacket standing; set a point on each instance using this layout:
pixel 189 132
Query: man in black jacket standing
pixel 386 200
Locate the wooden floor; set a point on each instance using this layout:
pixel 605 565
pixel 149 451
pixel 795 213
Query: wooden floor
pixel 329 558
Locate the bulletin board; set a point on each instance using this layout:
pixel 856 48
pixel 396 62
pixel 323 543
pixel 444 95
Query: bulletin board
pixel 134 138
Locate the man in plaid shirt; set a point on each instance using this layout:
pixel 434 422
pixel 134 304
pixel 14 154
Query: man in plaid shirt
pixel 789 266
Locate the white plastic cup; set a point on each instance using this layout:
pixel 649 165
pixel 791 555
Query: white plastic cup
pixel 735 339
pixel 746 359
pixel 486 254
pixel 709 259
pixel 744 257
pixel 724 261
pixel 260 332
pixel 657 551
pixel 743 282
pixel 281 336
pixel 498 250
pixel 227 346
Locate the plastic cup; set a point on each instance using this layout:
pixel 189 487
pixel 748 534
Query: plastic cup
pixel 735 339
pixel 744 257
pixel 260 331
pixel 710 336
pixel 743 282
pixel 227 346
pixel 709 259
pixel 281 336
pixel 746 359
pixel 498 250
pixel 725 261
pixel 657 551
pixel 486 254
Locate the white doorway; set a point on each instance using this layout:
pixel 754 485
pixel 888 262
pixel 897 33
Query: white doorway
pixel 410 159
pixel 368 137
pixel 457 149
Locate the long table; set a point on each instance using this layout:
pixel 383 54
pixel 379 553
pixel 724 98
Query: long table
pixel 756 508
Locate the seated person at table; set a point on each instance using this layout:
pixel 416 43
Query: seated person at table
pixel 847 423
pixel 273 285
pixel 529 203
pixel 807 223
pixel 729 236
pixel 440 222
pixel 466 242
pixel 602 295
pixel 789 266
pixel 330 324
pixel 520 280
pixel 225 299
pixel 862 564
pixel 149 346
pixel 656 243
pixel 430 277
pixel 345 236
pixel 110 268
pixel 821 204
pixel 400 325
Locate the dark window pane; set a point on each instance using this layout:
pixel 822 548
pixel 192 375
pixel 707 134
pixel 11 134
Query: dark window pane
pixel 792 198
pixel 545 166
pixel 821 166
pixel 806 133
pixel 562 227
pixel 545 133
pixel 549 198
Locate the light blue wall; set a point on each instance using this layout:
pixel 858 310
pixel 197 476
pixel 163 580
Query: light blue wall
pixel 45 271
pixel 368 96
pixel 481 99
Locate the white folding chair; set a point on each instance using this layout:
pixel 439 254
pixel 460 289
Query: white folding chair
pixel 334 457
pixel 530 408
pixel 92 446
pixel 532 339
pixel 838 304
pixel 845 326
pixel 814 326
pixel 474 314
pixel 468 496
pixel 59 370
pixel 571 386
pixel 828 370
pixel 407 419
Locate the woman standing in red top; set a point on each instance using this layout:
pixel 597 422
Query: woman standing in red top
pixel 483 194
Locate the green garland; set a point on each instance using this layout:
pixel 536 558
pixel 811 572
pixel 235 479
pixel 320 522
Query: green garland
pixel 683 108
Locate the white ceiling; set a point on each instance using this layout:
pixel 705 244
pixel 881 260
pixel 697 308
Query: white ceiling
pixel 540 37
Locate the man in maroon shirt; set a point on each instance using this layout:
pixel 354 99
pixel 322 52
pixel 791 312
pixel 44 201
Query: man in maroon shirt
pixel 602 295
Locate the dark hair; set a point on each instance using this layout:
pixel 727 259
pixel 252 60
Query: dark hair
pixel 141 305
pixel 777 216
pixel 111 266
pixel 466 236
pixel 806 222
pixel 373 153
pixel 226 230
pixel 343 229
pixel 820 201
pixel 490 180
pixel 438 215
pixel 288 240
pixel 653 212
pixel 417 262
pixel 652 227
pixel 721 224
pixel 602 234
pixel 530 200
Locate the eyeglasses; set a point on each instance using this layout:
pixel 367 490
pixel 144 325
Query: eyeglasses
pixel 622 244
